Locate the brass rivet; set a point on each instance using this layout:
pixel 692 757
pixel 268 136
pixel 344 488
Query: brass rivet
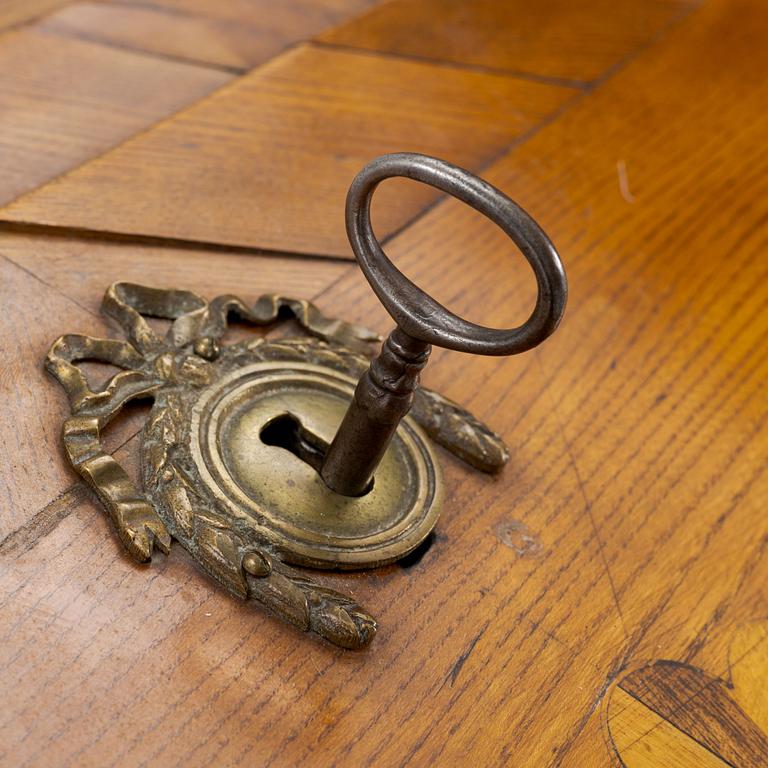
pixel 257 564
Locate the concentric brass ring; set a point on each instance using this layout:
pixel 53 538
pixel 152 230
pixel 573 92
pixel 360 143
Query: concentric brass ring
pixel 269 486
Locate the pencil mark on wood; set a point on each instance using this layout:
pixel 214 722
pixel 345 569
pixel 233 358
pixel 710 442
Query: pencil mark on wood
pixel 568 450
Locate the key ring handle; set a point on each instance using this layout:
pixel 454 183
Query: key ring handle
pixel 415 311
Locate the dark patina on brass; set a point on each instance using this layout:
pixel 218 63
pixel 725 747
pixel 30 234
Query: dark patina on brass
pixel 279 452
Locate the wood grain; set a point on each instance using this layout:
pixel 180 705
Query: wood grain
pixel 288 14
pixel 159 701
pixel 231 35
pixel 645 740
pixel 701 707
pixel 266 162
pixel 652 392
pixel 638 437
pixel 66 101
pixel 82 268
pixel 670 713
pixel 32 472
pixel 558 39
pixel 14 12
pixel 747 662
pixel 51 286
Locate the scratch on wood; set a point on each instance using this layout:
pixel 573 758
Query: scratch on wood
pixel 587 503
pixel 464 656
pixel 44 521
pixel 621 170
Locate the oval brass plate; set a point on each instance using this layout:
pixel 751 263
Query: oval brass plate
pixel 272 488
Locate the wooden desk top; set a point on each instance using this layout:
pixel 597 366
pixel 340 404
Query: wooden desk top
pixel 601 602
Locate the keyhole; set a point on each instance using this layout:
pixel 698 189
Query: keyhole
pixel 287 432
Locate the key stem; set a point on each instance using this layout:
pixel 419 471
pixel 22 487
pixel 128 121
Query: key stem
pixel 382 398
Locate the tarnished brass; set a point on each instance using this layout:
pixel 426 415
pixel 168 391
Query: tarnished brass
pixel 301 450
pixel 282 493
pixel 241 506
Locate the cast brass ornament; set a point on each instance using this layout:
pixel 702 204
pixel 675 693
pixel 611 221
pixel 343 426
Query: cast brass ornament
pixel 278 452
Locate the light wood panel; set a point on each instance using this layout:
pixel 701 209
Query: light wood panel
pixel 230 35
pixel 668 713
pixel 284 15
pixel 646 740
pixel 697 705
pixel 747 662
pixel 32 472
pixel 549 38
pixel 65 101
pixel 267 161
pixel 51 286
pixel 19 11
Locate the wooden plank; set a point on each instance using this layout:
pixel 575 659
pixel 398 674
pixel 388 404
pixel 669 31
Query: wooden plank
pixel 66 101
pixel 288 14
pixel 32 472
pixel 267 161
pixel 678 489
pixel 163 661
pixel 54 286
pixel 657 375
pixel 20 11
pixel 748 661
pixel 701 707
pixel 82 268
pixel 646 740
pixel 559 39
pixel 662 401
pixel 638 461
pixel 148 29
pixel 230 35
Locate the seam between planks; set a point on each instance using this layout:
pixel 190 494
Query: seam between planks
pixel 158 241
pixel 149 240
pixel 515 74
pixel 47 518
pixel 187 61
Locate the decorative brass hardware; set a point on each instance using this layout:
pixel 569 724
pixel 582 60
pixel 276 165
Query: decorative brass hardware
pixel 243 446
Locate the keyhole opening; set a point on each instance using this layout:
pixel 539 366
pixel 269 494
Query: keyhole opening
pixel 287 432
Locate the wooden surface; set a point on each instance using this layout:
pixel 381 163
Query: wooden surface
pixel 14 12
pixel 306 121
pixel 671 713
pixel 54 285
pixel 234 35
pixel 290 15
pixel 645 739
pixel 64 101
pixel 603 601
pixel 552 39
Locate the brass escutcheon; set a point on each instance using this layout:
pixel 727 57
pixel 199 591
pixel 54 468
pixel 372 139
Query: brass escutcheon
pixel 276 452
